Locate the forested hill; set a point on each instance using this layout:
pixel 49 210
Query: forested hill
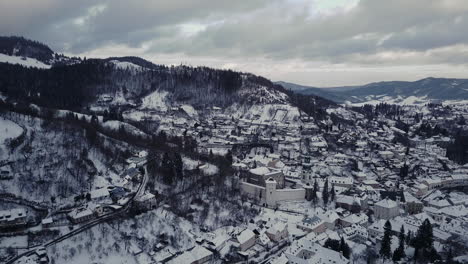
pixel 19 46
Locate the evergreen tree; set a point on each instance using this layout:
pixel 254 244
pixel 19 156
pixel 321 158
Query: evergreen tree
pixel 449 259
pixel 408 237
pixel 167 169
pixel 94 120
pixel 228 157
pixel 399 253
pixel 91 135
pixel 332 193
pixel 325 192
pixel 178 166
pixel 332 244
pixel 385 247
pixel 344 248
pixel 423 241
pixel 314 192
pixel 404 171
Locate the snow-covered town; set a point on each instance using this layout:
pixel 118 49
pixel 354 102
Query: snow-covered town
pixel 218 131
pixel 303 190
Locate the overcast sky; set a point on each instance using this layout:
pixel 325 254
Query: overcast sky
pixel 311 42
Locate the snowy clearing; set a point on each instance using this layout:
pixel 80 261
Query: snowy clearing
pixel 28 62
pixel 8 129
pixel 155 100
pixel 123 65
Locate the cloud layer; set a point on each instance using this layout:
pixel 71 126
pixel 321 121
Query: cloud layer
pixel 315 42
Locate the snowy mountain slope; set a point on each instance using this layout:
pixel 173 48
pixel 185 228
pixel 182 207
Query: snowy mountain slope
pixel 27 62
pixel 397 92
pixel 126 65
pixel 8 130
pixel 156 101
pixel 135 86
pixel 19 46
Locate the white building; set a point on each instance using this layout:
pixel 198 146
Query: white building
pixel 246 239
pixel 386 209
pixel 13 217
pixel 270 194
pixel 197 255
pixel 304 251
pixel 277 231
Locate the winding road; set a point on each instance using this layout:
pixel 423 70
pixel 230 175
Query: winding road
pixel 91 223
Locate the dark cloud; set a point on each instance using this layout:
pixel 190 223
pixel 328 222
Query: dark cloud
pixel 372 32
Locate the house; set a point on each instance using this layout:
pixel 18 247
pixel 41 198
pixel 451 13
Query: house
pixel 246 239
pixel 264 240
pixel 386 209
pixel 330 218
pixel 346 182
pixel 13 217
pixel 312 224
pixel 277 231
pixel 304 251
pixel 117 193
pixel 196 255
pixel 99 195
pixel 353 203
pixel 412 204
pixel 146 202
pixel 355 219
pixel 5 174
pixel 42 255
pixel 372 183
pixel 81 214
pixel 216 241
pixel 259 175
pixel 356 233
pixel 47 222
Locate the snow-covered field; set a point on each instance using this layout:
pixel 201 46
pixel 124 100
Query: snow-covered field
pixel 126 65
pixel 8 129
pixel 122 241
pixel 155 100
pixel 28 62
pixel 399 100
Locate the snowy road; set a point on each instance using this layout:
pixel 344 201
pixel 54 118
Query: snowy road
pixel 101 219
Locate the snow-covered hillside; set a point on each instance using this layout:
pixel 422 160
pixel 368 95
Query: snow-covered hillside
pixel 8 130
pixel 28 62
pixel 126 65
pixel 156 100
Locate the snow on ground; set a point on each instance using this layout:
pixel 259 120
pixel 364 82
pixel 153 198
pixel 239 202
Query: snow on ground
pixel 267 113
pixel 27 260
pixel 190 164
pixel 8 129
pixel 14 242
pixel 64 113
pixel 219 151
pixel 115 125
pixel 399 100
pixel 124 65
pixel 207 168
pixel 121 240
pixel 189 110
pixel 28 62
pixel 344 113
pixel 108 176
pixel 155 100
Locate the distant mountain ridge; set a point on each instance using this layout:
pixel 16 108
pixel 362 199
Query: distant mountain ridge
pixel 396 91
pixel 75 84
pixel 19 46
